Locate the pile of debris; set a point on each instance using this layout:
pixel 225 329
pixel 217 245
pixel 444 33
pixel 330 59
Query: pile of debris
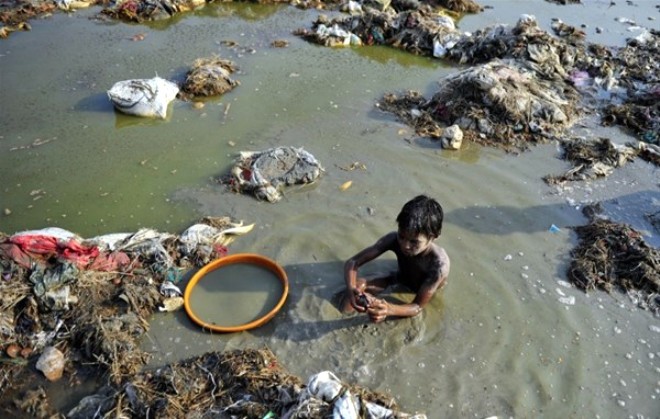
pixel 638 71
pixel 501 103
pixel 243 383
pixel 266 173
pixel 90 299
pixel 615 257
pixel 591 159
pixel 149 10
pixel 421 31
pixel 210 77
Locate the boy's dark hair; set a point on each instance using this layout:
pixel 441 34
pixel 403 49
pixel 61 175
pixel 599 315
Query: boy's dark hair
pixel 421 215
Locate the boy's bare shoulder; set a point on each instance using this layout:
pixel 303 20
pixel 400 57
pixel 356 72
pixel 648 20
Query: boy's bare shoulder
pixel 443 258
pixel 440 251
pixel 388 240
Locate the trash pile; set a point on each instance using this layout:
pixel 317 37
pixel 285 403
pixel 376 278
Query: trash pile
pixel 242 383
pixel 419 31
pixel 637 70
pixel 501 103
pixel 66 298
pixel 14 15
pixel 525 85
pixel 613 256
pixel 148 10
pixel 591 159
pixel 210 77
pixel 265 173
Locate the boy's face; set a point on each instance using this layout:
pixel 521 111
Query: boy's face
pixel 413 244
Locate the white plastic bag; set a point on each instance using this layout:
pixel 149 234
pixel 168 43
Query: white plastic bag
pixel 327 387
pixel 143 97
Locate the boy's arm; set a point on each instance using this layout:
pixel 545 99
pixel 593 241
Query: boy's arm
pixel 380 309
pixel 370 253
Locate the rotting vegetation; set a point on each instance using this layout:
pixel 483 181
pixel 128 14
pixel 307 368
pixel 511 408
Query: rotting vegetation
pixel 242 383
pixel 614 257
pixel 209 77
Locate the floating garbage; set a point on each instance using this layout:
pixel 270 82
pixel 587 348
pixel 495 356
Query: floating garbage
pixel 143 97
pixel 266 173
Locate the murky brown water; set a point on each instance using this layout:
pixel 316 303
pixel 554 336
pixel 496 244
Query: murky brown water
pixel 497 341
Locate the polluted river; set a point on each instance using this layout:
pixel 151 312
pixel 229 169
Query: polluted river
pixel 509 336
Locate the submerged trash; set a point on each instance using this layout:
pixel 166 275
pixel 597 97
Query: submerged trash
pixel 266 173
pixel 210 77
pixel 554 229
pixel 143 97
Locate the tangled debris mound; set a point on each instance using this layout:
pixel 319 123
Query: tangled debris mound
pixel 420 31
pixel 149 10
pixel 639 73
pixel 551 57
pixel 613 256
pixel 591 159
pixel 460 6
pixel 91 298
pixel 501 103
pixel 210 77
pixel 243 383
pixel 15 14
pixel 266 173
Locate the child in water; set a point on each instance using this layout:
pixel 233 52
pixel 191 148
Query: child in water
pixel 423 266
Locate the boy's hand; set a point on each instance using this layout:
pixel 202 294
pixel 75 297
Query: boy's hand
pixel 358 299
pixel 378 310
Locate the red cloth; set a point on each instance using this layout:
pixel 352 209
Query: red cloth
pixel 44 247
pixel 115 261
pixel 14 252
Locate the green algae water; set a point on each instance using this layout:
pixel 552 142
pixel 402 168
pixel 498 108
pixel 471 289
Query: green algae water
pixel 235 294
pixel 498 341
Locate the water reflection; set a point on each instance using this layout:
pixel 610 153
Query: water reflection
pixel 246 11
pixel 506 219
pixel 97 102
pixel 383 54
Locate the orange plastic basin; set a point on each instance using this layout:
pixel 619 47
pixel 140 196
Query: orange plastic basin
pixel 228 260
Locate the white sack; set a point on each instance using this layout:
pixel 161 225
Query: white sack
pixel 143 97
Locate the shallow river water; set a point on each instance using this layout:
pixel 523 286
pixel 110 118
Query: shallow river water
pixel 499 340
